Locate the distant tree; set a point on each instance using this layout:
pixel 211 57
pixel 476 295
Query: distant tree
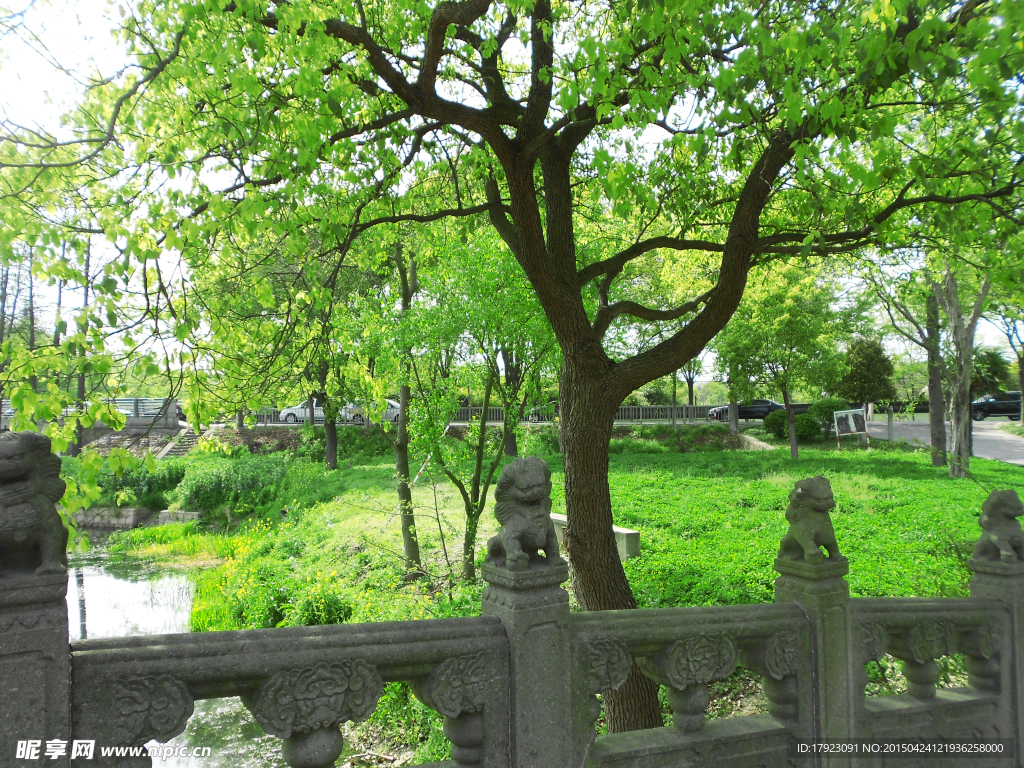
pixel 991 371
pixel 869 375
pixel 783 335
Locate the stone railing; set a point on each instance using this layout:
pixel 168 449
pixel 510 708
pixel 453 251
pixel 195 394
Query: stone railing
pixel 519 686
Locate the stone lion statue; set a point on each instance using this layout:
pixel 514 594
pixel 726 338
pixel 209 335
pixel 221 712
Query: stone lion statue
pixel 32 535
pixel 810 526
pixel 1001 538
pixel 522 505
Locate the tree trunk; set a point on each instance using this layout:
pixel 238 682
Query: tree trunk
pixel 734 416
pixel 1020 385
pixel 673 400
pixel 409 541
pixel 960 406
pixel 936 397
pixel 689 391
pixel 513 381
pixel 75 449
pixel 331 443
pixel 469 548
pixel 311 410
pixel 962 329
pixel 598 580
pixel 33 380
pixel 794 451
pixel 239 421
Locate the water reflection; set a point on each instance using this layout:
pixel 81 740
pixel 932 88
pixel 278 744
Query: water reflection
pixel 108 598
pixel 110 601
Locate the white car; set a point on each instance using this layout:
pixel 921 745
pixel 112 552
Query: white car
pixel 300 412
pixel 354 413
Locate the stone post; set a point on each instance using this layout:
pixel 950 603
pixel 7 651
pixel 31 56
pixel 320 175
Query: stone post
pixel 35 668
pixel 890 428
pixel 524 591
pixel 35 657
pixel 818 585
pixel 535 612
pixel 997 572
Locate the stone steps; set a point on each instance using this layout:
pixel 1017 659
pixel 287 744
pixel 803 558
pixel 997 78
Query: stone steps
pixel 182 444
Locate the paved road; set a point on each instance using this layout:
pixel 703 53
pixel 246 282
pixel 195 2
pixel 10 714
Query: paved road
pixel 990 442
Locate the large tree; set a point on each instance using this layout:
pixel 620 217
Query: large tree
pixel 744 131
pixel 912 305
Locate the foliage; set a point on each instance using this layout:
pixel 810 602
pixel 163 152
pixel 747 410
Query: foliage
pixel 991 372
pixel 823 411
pixel 355 445
pixel 783 335
pixel 151 487
pixel 807 426
pixel 240 484
pixel 775 424
pixel 868 378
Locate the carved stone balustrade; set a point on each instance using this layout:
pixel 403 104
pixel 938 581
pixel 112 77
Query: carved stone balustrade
pixel 521 685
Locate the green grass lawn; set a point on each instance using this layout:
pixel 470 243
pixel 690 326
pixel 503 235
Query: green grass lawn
pixel 710 525
pixel 710 521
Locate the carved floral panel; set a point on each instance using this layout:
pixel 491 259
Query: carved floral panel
pixel 321 696
pixel 147 708
pixel 609 663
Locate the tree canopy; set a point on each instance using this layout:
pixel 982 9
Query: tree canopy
pixel 595 139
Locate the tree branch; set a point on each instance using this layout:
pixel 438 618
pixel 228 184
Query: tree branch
pixel 615 264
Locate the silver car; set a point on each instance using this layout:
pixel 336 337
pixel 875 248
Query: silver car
pixel 354 414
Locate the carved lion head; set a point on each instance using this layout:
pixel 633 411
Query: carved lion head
pixel 812 495
pixel 27 463
pixel 524 490
pixel 1005 504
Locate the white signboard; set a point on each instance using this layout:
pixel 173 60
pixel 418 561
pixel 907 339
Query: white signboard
pixel 850 423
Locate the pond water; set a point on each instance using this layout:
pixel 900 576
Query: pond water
pixel 107 598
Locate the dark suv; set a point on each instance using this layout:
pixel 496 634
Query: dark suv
pixel 1004 404
pixel 755 409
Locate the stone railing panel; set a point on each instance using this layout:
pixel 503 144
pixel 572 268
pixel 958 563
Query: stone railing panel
pixel 685 649
pixel 300 682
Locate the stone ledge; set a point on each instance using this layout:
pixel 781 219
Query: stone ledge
pixel 751 443
pixel 32 589
pixel 177 516
pixel 831 568
pixel 113 518
pixel 626 540
pixel 996 568
pixel 537 576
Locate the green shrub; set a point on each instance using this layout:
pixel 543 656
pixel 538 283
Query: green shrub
pixel 241 484
pixel 823 410
pixel 807 426
pixel 152 490
pixel 317 605
pixel 775 424
pixel 543 441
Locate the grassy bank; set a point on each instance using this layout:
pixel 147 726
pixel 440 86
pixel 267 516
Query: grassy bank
pixel 1013 427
